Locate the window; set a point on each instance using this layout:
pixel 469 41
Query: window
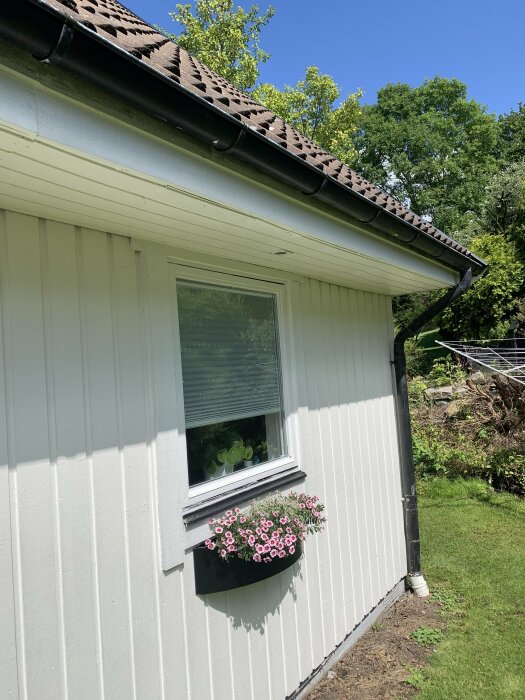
pixel 232 371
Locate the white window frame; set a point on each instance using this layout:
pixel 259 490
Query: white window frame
pixel 237 482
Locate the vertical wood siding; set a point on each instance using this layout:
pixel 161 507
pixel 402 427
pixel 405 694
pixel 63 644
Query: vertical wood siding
pixel 85 608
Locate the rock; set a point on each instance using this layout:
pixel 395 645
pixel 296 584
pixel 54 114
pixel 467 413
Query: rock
pixel 478 378
pixel 331 675
pixel 459 390
pixel 454 409
pixel 439 393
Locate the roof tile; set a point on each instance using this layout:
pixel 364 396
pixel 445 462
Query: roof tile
pixel 121 27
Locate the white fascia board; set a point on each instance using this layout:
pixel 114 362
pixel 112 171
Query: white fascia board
pixel 52 117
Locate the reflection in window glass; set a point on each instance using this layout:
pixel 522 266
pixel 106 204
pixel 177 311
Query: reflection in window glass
pixel 232 379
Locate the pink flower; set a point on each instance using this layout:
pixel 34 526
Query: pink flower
pixel 292 549
pixel 232 548
pixel 282 554
pixel 243 518
pixel 257 557
pixel 223 553
pixel 267 560
pixel 273 553
pixel 219 530
pixel 259 548
pixel 267 547
pixel 251 540
pixel 229 512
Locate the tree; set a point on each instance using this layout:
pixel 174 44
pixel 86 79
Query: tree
pixel 224 38
pixel 511 137
pixel 503 206
pixel 430 147
pixel 485 311
pixel 310 107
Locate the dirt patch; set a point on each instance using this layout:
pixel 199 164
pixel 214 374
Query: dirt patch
pixel 377 667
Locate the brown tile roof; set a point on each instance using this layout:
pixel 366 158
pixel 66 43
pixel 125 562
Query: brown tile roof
pixel 114 22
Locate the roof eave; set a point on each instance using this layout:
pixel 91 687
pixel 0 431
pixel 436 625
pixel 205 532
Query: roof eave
pixel 49 36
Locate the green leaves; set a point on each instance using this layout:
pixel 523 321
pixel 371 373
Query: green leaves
pixel 427 636
pixel 226 40
pixel 310 107
pixel 511 141
pixel 503 206
pixel 485 310
pixel 429 146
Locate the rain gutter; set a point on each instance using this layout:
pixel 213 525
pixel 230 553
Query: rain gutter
pixel 51 38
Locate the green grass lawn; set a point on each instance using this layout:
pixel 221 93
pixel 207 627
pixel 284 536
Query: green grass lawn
pixel 473 543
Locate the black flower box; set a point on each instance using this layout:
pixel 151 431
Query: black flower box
pixel 214 575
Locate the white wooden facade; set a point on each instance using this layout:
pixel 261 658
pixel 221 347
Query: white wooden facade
pixel 93 614
pixel 90 465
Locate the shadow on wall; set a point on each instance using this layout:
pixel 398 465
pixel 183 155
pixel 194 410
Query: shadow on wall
pixel 252 606
pixel 85 334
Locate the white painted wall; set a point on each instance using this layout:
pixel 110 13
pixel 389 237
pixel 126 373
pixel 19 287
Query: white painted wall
pixel 85 421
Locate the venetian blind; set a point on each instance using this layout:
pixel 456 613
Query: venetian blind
pixel 230 357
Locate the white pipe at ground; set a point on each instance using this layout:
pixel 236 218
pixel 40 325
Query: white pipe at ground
pixel 419 586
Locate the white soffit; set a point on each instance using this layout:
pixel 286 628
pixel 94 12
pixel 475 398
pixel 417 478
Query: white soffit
pixel 63 161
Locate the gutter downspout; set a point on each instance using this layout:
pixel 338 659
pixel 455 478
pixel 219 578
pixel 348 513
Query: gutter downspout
pixel 408 476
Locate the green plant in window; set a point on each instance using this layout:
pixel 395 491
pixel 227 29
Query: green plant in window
pixel 236 453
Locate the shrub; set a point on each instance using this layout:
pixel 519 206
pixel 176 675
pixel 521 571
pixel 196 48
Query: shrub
pixel 434 456
pixel 416 391
pixel 430 453
pixel 444 372
pixel 506 471
pixel 414 357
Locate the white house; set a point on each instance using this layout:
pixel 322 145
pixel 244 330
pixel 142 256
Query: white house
pixel 158 230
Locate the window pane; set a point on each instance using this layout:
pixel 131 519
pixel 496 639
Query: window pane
pixel 232 382
pixel 220 449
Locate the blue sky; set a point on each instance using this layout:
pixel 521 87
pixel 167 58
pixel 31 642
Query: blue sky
pixel 367 44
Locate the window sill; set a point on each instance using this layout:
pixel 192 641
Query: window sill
pixel 215 505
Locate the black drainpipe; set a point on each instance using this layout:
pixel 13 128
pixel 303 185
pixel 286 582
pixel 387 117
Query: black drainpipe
pixel 408 476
